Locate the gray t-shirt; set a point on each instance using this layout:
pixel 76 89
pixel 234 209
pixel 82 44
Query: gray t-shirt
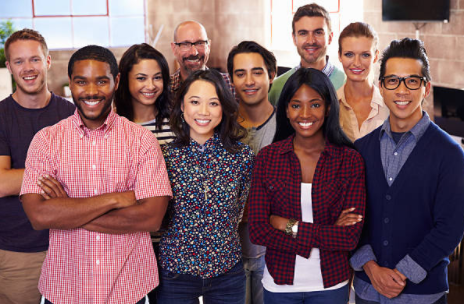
pixel 257 138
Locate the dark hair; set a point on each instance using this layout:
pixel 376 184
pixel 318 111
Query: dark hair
pixel 358 29
pixel 319 82
pixel 312 10
pixel 252 47
pixel 25 34
pixel 229 130
pixel 94 52
pixel 123 98
pixel 406 48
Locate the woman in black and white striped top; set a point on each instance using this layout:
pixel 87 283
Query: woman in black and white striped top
pixel 143 95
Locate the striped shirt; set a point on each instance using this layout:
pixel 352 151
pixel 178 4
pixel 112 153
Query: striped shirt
pixel 163 135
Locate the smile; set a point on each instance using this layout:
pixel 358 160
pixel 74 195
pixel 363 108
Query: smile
pixel 356 71
pixel 92 103
pixel 148 95
pixel 30 77
pixel 306 124
pixel 402 103
pixel 202 122
pixel 250 91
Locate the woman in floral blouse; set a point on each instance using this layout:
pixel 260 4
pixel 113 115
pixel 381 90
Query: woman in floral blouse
pixel 210 173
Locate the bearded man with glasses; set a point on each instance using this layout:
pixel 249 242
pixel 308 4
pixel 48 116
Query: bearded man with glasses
pixel 191 47
pixel 415 201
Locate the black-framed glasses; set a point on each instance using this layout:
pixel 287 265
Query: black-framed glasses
pixel 411 82
pixel 186 45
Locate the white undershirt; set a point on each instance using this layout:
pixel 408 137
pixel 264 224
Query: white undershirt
pixel 308 276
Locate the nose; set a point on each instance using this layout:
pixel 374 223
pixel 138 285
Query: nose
pixel 249 81
pixel 193 50
pixel 203 110
pixel 357 61
pixel 311 38
pixel 305 111
pixel 402 89
pixel 92 89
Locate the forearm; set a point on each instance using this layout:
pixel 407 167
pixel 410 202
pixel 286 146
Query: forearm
pixel 64 212
pixel 145 216
pixel 10 181
pixel 363 255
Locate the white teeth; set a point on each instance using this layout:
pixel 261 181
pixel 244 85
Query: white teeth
pixel 91 103
pixel 251 91
pixel 196 60
pixel 148 94
pixel 401 103
pixel 305 124
pixel 30 77
pixel 201 121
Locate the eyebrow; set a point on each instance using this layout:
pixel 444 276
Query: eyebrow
pixel 253 69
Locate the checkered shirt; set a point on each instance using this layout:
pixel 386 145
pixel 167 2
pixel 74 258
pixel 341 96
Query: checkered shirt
pixel 83 266
pixel 176 82
pixel 338 184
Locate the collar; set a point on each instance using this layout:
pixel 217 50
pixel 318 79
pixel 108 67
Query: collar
pixel 82 129
pixel 327 69
pixel 376 101
pixel 417 131
pixel 286 146
pixel 214 141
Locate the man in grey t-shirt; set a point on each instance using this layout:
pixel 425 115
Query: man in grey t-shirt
pixel 252 69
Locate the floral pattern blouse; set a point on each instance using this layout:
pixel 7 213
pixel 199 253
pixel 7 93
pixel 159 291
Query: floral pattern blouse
pixel 210 187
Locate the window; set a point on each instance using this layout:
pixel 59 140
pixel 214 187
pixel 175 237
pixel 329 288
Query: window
pixel 69 24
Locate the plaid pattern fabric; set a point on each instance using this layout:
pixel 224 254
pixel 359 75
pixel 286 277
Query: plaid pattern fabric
pixel 85 266
pixel 176 82
pixel 338 184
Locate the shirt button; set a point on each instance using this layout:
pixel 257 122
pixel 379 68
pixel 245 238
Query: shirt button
pixel 396 153
pixel 98 237
pixel 95 191
pixel 390 179
pixel 271 187
pixel 98 262
pixel 385 243
pixel 386 220
pixel 388 197
pixel 94 167
pixel 94 143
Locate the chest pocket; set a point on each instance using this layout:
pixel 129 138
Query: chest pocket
pixel 278 194
pixel 331 201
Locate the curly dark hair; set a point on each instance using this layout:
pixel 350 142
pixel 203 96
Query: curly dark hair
pixel 123 98
pixel 228 130
pixel 94 52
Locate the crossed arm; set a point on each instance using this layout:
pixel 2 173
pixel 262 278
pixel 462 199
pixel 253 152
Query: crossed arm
pixel 114 213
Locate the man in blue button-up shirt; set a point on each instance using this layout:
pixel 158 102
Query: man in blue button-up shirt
pixel 415 186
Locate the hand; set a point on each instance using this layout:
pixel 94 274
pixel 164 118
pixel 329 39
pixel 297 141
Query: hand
pixel 124 199
pixel 278 222
pixel 51 187
pixel 347 218
pixel 386 281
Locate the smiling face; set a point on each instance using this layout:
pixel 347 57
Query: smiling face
pixel 306 113
pixel 29 65
pixel 311 39
pixel 404 104
pixel 145 82
pixel 202 110
pixel 92 87
pixel 251 78
pixel 357 56
pixel 193 59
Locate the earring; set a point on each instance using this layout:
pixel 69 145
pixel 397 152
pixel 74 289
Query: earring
pixel 182 116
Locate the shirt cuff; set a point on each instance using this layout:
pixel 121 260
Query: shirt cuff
pixel 361 257
pixel 413 271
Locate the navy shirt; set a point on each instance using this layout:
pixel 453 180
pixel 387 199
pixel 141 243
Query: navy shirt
pixel 18 125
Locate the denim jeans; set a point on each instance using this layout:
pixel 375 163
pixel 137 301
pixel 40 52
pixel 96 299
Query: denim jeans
pixel 442 300
pixel 336 296
pixel 176 288
pixel 254 269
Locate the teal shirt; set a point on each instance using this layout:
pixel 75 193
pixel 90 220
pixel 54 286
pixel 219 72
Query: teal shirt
pixel 336 76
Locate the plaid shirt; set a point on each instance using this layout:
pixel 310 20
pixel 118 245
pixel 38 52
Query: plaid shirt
pixel 176 82
pixel 84 266
pixel 338 184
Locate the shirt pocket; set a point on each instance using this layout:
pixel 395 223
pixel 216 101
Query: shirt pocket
pixel 277 194
pixel 333 199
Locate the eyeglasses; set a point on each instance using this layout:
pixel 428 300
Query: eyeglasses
pixel 411 82
pixel 186 45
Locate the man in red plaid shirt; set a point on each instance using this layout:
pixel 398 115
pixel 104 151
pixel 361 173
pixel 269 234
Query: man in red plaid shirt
pixel 99 183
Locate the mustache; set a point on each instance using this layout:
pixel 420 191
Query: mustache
pixel 193 57
pixel 311 45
